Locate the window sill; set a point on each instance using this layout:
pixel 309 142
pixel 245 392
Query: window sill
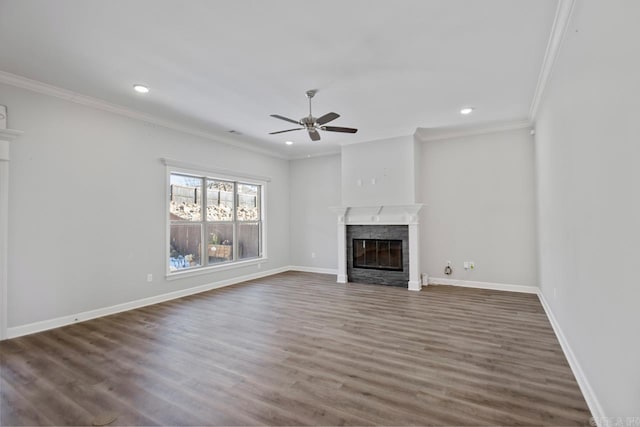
pixel 214 268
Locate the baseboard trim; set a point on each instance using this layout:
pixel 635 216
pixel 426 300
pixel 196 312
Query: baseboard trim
pixel 44 325
pixel 484 285
pixel 587 391
pixel 313 269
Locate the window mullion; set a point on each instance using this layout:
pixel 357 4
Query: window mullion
pixel 203 224
pixel 235 221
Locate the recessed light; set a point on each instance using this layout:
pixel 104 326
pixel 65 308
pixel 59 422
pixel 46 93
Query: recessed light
pixel 466 110
pixel 289 142
pixel 141 88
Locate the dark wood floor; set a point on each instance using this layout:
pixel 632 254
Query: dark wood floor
pixel 299 349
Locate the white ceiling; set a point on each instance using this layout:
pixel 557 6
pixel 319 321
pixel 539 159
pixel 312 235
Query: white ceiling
pixel 387 67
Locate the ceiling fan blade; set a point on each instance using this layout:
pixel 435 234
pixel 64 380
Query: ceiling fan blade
pixel 277 116
pixel 282 131
pixel 327 118
pixel 314 135
pixel 339 129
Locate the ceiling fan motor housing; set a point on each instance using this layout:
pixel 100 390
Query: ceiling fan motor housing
pixel 309 122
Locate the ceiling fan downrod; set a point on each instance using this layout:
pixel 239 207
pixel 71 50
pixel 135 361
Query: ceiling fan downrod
pixel 310 94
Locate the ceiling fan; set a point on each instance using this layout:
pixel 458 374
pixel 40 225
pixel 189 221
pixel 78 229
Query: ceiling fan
pixel 313 124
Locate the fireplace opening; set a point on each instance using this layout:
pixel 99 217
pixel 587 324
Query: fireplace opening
pixel 377 254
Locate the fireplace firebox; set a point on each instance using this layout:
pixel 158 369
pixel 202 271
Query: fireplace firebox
pixel 377 254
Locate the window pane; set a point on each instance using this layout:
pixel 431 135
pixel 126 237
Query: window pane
pixel 248 202
pixel 185 198
pixel 248 240
pixel 184 246
pixel 219 200
pixel 219 243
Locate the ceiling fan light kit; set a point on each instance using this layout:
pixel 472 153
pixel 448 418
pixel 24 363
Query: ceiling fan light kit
pixel 313 124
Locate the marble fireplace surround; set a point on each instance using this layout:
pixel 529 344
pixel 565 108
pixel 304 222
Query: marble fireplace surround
pixel 381 215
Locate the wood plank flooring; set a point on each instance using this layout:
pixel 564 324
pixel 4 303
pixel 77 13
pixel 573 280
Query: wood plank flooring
pixel 299 349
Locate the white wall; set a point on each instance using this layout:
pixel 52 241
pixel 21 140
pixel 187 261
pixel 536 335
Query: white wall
pixel 479 196
pixel 315 186
pixel 87 200
pixel 388 162
pixel 588 179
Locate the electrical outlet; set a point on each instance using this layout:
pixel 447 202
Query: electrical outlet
pixel 149 277
pixel 472 265
pixel 466 265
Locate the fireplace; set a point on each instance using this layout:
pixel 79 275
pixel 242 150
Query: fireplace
pixel 377 254
pixel 389 223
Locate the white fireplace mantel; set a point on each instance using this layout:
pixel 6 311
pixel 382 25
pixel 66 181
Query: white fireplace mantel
pixel 6 136
pixel 381 215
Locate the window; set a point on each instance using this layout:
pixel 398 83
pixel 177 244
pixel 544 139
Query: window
pixel 213 221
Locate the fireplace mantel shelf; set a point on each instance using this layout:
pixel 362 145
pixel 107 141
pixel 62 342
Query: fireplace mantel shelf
pixel 379 214
pixel 9 134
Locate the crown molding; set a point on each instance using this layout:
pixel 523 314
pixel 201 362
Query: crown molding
pixel 88 101
pixel 313 156
pixel 438 134
pixel 564 12
pixel 384 138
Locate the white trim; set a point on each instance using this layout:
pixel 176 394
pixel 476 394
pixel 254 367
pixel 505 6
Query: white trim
pixel 384 138
pixel 6 136
pixel 443 133
pixel 319 270
pixel 484 285
pixel 564 12
pixel 587 391
pixel 88 101
pixel 414 285
pixel 378 215
pixel 312 156
pixel 199 271
pixel 192 168
pixel 10 134
pixel 44 325
pixel 4 240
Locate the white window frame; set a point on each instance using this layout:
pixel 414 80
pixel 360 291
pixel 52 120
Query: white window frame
pixel 177 167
